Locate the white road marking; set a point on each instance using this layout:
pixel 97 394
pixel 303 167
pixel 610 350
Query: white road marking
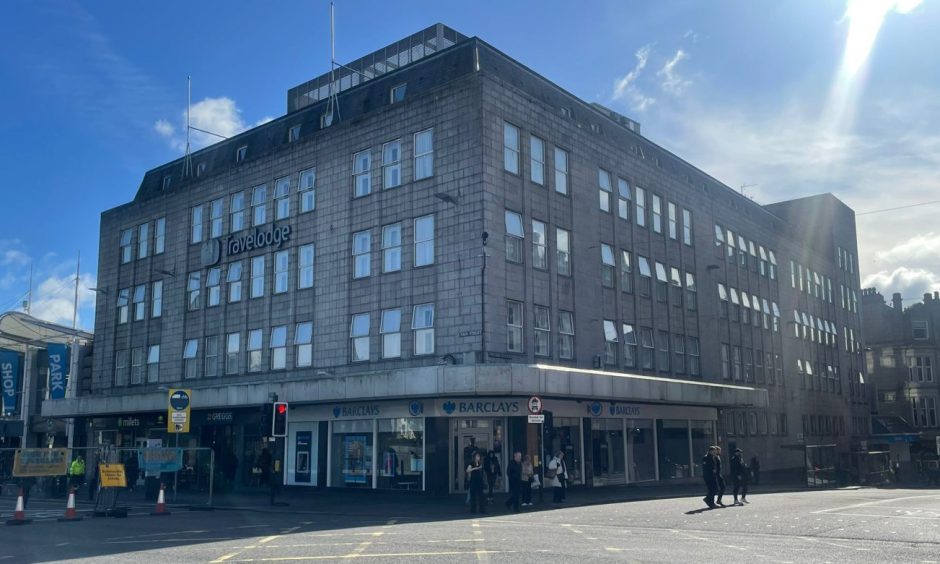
pixel 877 502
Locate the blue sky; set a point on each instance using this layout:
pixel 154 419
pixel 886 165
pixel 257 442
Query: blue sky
pixel 795 97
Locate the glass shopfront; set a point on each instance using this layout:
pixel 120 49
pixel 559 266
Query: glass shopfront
pixel 641 450
pixel 351 453
pixel 566 437
pixel 401 453
pixel 607 445
pixel 703 436
pixel 673 437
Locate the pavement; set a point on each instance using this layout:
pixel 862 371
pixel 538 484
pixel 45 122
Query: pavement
pixel 847 525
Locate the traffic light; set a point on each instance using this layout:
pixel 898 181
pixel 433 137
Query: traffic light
pixel 279 419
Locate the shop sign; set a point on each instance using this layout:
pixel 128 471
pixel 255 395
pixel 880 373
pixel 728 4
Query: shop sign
pixel 112 476
pixel 482 407
pixel 220 417
pixel 9 380
pixel 415 408
pixel 40 462
pixel 535 405
pixel 58 366
pixel 370 410
pixel 157 460
pixel 274 236
pixel 128 423
pixel 540 418
pixel 178 410
pixel 622 410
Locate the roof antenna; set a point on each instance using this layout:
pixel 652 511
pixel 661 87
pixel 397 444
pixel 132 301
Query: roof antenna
pixel 188 160
pixel 334 94
pixel 746 186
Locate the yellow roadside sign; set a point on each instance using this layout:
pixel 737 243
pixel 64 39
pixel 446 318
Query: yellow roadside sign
pixel 112 476
pixel 40 462
pixel 178 410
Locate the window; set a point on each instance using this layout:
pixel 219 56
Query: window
pixel 362 254
pixel 257 277
pixel 122 304
pixel 603 181
pixel 190 360
pixel 563 251
pixel 215 218
pixel 159 236
pixel 282 198
pixel 303 340
pixel 561 171
pixel 514 236
pixel 308 193
pixel 925 411
pixel 390 329
pixel 305 255
pixel 661 282
pixel 611 343
pixel 422 323
pixel 730 246
pixel 720 240
pixel 687 227
pixel 678 351
pixel 281 271
pixel 541 323
pixel 514 326
pixel 278 344
pixel 664 351
pixel 212 356
pixel 362 174
pixel 510 148
pixel 194 289
pixel 240 154
pixel 691 292
pixel 742 252
pixel 565 335
pixel 623 199
pixel 259 196
pixel 200 169
pixel 293 134
pixel 359 333
pixel 424 240
pixel 675 281
pixel 673 221
pixel 143 240
pixel 139 302
pixel 234 281
pixel 214 286
pixel 695 361
pixel 920 330
pixel 746 312
pixel 232 352
pixel 629 346
pixel 237 212
pixel 646 352
pixel 391 248
pixel 773 270
pixel 539 246
pixel 537 160
pixel 626 272
pixel 920 369
pixel 255 341
pixel 646 276
pixel 397 93
pixel 156 299
pixel 657 214
pixel 391 164
pixel 153 364
pixel 196 234
pixel 640 194
pixel 137 365
pixel 166 182
pixel 736 367
pixel 424 154
pixel 609 265
pixel 748 365
pixel 735 305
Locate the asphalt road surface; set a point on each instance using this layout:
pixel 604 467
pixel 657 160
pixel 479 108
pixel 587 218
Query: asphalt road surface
pixel 864 525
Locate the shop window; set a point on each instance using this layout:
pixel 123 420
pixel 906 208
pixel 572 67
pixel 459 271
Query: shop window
pixel 566 437
pixel 641 450
pixel 351 456
pixel 401 453
pixel 674 445
pixel 703 436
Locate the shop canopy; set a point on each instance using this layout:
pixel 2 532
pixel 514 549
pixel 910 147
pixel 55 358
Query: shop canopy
pixel 19 331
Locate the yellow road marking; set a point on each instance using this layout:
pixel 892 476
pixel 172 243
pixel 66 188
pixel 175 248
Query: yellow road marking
pixel 266 540
pixel 226 557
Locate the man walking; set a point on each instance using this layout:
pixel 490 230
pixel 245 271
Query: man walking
pixel 720 480
pixel 514 475
pixel 739 477
pixel 708 474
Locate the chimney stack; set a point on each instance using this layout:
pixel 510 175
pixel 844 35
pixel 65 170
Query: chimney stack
pixel 927 297
pixel 896 301
pixel 936 295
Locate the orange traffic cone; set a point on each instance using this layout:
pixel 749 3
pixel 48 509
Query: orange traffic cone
pixel 70 514
pixel 161 504
pixel 19 514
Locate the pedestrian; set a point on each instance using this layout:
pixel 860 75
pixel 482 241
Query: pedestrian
pixel 740 475
pixel 493 471
pixel 554 477
pixel 77 472
pixel 708 474
pixel 896 467
pixel 719 478
pixel 514 477
pixel 755 469
pixel 131 470
pixel 527 472
pixel 476 479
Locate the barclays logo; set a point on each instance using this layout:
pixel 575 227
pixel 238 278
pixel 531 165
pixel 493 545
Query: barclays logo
pixel 337 411
pixel 449 407
pixel 415 408
pixel 595 408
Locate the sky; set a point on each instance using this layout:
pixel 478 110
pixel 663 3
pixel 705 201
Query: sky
pixel 786 98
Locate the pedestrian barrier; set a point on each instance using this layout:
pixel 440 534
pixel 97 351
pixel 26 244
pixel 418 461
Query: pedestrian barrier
pixel 19 514
pixel 70 514
pixel 161 504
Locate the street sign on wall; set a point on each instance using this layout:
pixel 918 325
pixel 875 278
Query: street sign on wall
pixel 178 410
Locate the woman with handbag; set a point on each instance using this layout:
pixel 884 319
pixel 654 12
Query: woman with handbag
pixel 527 472
pixel 477 483
pixel 554 474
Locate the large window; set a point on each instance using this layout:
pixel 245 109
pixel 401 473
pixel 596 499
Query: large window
pixel 623 199
pixel 608 265
pixel 212 356
pixel 308 193
pixel 159 236
pixel 542 326
pixel 674 448
pixel 673 221
pixel 695 361
pixel 282 198
pixel 305 257
pixel 232 353
pixel 514 236
pixel 686 227
pixel 257 277
pixel 401 453
pixel 127 237
pixel 511 148
pixel 255 343
pixel 362 255
pixel 352 452
pixel 362 174
pixel 156 299
pixel 424 154
pixel 215 219
pixel 359 334
pixel 422 323
pixel 122 305
pixel 303 341
pixel 537 160
pixel 611 343
pixel 424 240
pixel 234 281
pixel 191 359
pixel 563 251
pixel 391 248
pixel 143 240
pixel 193 291
pixel 629 346
pixel 641 450
pixel 565 335
pixel 646 276
pixel 391 164
pixel 646 350
pixel 605 189
pixel 514 326
pixel 703 436
pixel 153 364
pixel 640 194
pixel 196 235
pixel 390 329
pixel 626 271
pixel 140 304
pixel 259 209
pixel 657 214
pixel 281 271
pixel 278 345
pixel 539 245
pixel 561 171
pixel 237 212
pixel 214 286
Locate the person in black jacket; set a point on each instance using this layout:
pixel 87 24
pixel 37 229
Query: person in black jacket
pixel 719 478
pixel 708 474
pixel 492 469
pixel 740 474
pixel 476 479
pixel 514 477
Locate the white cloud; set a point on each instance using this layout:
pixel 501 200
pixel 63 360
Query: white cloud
pixel 53 299
pixel 691 36
pixel 918 249
pixel 672 82
pixel 911 283
pixel 221 116
pixel 626 85
pixel 164 128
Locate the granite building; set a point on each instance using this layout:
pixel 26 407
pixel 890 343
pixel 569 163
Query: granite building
pixel 410 261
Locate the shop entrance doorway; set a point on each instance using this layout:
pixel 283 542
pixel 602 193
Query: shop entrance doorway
pixel 471 436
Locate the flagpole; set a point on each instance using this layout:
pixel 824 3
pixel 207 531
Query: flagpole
pixel 78 268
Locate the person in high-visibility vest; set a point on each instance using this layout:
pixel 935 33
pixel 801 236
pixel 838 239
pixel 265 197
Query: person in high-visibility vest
pixel 77 472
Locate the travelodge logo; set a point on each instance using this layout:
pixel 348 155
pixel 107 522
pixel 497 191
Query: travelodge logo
pixel 415 408
pixel 595 408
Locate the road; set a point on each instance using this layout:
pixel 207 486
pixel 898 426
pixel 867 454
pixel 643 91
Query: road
pixel 864 525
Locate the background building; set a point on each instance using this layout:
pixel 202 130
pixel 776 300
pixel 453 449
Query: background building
pixel 409 261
